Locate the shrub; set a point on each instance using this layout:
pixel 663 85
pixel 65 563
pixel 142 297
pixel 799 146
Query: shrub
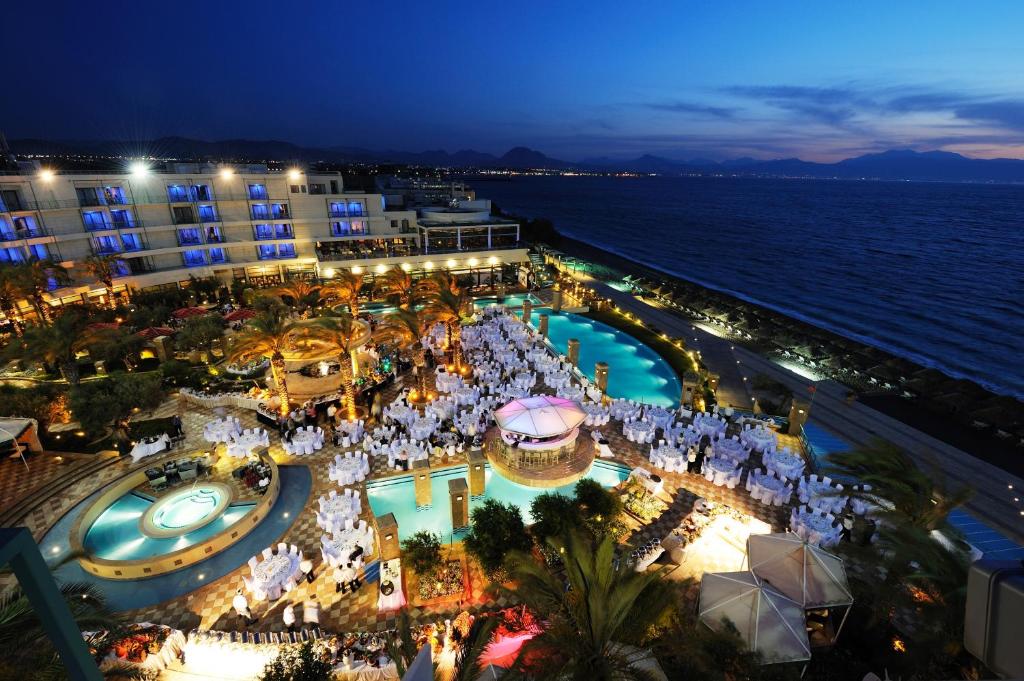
pixel 422 551
pixel 497 529
pixel 553 516
pixel 175 372
pixel 300 663
pixel 41 402
pixel 199 333
pixel 96 404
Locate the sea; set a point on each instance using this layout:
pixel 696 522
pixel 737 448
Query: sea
pixel 932 272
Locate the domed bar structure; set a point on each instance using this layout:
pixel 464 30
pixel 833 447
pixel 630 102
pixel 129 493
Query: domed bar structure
pixel 537 442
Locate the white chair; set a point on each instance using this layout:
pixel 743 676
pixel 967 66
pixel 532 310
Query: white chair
pixel 268 552
pixel 253 562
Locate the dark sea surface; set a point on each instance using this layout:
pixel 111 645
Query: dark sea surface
pixel 930 272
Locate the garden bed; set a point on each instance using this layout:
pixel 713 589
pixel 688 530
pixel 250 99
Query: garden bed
pixel 450 580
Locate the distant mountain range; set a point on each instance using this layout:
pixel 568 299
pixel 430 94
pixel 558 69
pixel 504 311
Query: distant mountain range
pixel 899 164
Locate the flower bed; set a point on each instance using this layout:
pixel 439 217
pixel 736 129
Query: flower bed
pixel 253 366
pixel 448 580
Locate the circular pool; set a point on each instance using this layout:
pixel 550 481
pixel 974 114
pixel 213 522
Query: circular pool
pixel 185 510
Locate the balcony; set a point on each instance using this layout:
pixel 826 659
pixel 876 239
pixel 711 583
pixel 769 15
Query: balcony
pixel 19 234
pixel 356 250
pixel 189 241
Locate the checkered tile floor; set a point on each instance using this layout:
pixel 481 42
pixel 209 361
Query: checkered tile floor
pixel 210 605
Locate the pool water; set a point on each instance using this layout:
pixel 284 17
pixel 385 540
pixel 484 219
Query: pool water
pixel 635 371
pixel 397 496
pixel 513 300
pixel 188 508
pixel 116 535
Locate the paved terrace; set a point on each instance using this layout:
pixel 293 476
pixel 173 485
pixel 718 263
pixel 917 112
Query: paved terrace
pixel 856 423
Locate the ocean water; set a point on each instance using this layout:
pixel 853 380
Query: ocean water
pixel 929 271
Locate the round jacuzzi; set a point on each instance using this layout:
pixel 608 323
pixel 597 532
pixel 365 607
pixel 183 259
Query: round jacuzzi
pixel 186 510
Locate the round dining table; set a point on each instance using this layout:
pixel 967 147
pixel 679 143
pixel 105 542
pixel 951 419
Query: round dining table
pixel 661 416
pixel 344 542
pixel 759 439
pixel 785 463
pixel 221 430
pixel 402 413
pixel 641 431
pixel 734 449
pixel 243 444
pixel 274 571
pixel 465 396
pixel 672 458
pixel 422 428
pixel 348 470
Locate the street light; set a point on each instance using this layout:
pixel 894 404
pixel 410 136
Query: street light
pixel 46 175
pixel 139 169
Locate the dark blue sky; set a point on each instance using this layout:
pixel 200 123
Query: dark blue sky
pixel 682 79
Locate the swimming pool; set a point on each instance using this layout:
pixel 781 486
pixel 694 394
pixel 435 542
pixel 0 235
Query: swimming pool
pixel 513 300
pixel 635 371
pixel 397 496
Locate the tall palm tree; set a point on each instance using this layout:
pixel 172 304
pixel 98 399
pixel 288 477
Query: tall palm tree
pixel 345 287
pixel 38 274
pixel 340 331
pixel 28 653
pixel 267 335
pixel 405 292
pixel 54 344
pixel 404 327
pixel 13 287
pixel 448 304
pixel 102 268
pixel 592 617
pixel 300 292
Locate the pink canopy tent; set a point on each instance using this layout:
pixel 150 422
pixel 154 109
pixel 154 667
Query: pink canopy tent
pixel 541 416
pixel 186 312
pixel 151 332
pixel 240 314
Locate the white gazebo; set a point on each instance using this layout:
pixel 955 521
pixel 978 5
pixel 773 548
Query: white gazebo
pixel 807 574
pixel 769 622
pixel 537 442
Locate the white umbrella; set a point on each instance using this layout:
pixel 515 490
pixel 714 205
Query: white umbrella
pixel 767 621
pixel 807 574
pixel 541 416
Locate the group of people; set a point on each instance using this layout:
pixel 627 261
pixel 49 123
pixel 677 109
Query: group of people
pixel 346 579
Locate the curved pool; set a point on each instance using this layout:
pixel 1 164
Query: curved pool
pixel 635 371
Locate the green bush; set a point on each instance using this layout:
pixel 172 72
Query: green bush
pixel 199 333
pixel 300 663
pixel 553 516
pixel 422 551
pixel 35 402
pixel 97 404
pixel 497 528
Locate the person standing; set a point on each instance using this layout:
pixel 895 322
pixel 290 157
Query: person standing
pixel 306 566
pixel 343 577
pixel 179 430
pixel 289 617
pixel 241 605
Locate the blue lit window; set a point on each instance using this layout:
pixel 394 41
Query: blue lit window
pixel 38 252
pixel 107 244
pixel 12 254
pixel 284 231
pixel 122 218
pixel 95 220
pixel 286 250
pixel 355 208
pixel 266 252
pixel 257 192
pixel 189 235
pixel 114 196
pixel 193 258
pixel 51 283
pixel 132 242
pixel 213 235
pixel 260 211
pixel 341 228
pixel 264 231
pixel 218 255
pixel 338 209
pixel 280 211
pixel 6 233
pixel 177 192
pixel 26 227
pixel 200 192
pixel 207 214
pixel 121 268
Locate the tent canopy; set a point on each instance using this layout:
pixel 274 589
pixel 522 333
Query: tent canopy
pixel 806 574
pixel 541 416
pixel 767 621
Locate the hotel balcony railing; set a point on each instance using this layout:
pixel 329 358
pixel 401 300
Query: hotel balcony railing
pixel 106 250
pixel 18 234
pixel 346 213
pixel 346 250
pixel 190 242
pixel 98 225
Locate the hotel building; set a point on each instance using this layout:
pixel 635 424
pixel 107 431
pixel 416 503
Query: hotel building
pixel 162 227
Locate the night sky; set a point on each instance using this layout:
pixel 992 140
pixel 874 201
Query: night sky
pixel 718 80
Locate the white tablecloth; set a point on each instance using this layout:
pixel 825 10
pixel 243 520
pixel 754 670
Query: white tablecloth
pixel 348 469
pixel 660 416
pixel 732 448
pixel 142 449
pixel 558 379
pixel 621 409
pixel 465 396
pixel 785 463
pixel 344 543
pixel 402 413
pixel 274 570
pixel 221 430
pixel 244 444
pixel 765 487
pixel 669 458
pixel 391 571
pixel 638 431
pixel 422 428
pixel 759 439
pixel 306 442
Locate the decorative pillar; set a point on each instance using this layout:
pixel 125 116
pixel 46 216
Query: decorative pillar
pixel 601 376
pixel 542 326
pixel 556 300
pixel 477 472
pixel 458 495
pixel 798 415
pixel 354 355
pixel 421 482
pixel 164 348
pixel 387 534
pixel 690 383
pixel 573 353
pixel 527 311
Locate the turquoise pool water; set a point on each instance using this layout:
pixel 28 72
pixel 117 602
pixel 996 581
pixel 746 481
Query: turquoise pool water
pixel 115 535
pixel 396 495
pixel 187 508
pixel 635 371
pixel 514 300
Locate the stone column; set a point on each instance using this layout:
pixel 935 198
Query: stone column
pixel 601 376
pixel 387 535
pixel 458 496
pixel 542 326
pixel 477 472
pixel 573 351
pixel 527 311
pixel 421 482
pixel 798 415
pixel 556 300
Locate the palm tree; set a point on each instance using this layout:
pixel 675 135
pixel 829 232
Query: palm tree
pixel 13 287
pixel 28 653
pixel 405 292
pixel 467 661
pixel 38 274
pixel 592 617
pixel 922 498
pixel 267 335
pixel 404 327
pixel 303 294
pixel 345 287
pixel 54 344
pixel 102 268
pixel 340 331
pixel 448 304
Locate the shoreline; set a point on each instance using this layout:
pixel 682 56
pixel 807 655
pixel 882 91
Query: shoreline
pixel 957 411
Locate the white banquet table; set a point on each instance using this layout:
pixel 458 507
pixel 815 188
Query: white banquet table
pixel 422 428
pixel 142 449
pixel 401 413
pixel 638 431
pixel 785 463
pixel 721 469
pixel 274 571
pixel 347 470
pixel 732 448
pixel 465 396
pixel 661 417
pixel 759 439
pixel 306 441
pixel 221 430
pixel 669 458
pixel 343 544
pixel 243 444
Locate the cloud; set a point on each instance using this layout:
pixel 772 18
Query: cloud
pixel 837 107
pixel 692 108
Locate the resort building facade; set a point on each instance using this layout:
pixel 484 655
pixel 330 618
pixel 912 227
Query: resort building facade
pixel 239 223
